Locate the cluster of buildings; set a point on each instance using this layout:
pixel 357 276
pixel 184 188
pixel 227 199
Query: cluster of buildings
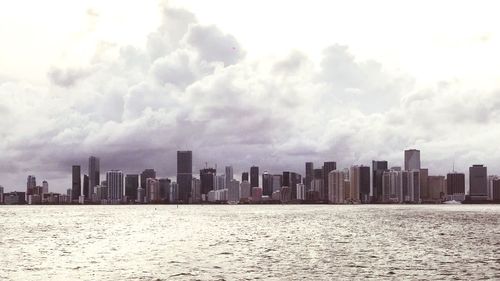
pixel 326 184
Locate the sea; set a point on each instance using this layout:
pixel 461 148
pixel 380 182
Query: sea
pixel 250 242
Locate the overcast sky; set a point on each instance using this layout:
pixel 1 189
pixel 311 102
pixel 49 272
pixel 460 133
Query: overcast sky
pixel 245 83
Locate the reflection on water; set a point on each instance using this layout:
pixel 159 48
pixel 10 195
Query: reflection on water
pixel 278 242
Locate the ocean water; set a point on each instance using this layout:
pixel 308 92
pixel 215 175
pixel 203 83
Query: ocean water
pixel 269 242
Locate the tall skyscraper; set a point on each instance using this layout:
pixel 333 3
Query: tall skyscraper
pixel 195 191
pixel 455 183
pixel 86 190
pixel 174 192
pixel 94 172
pixel 245 190
pixel 411 186
pixel 1 195
pixel 336 187
pixel 207 178
pixel 114 180
pixel 364 183
pixel 254 176
pixel 229 176
pixel 424 184
pixel 45 187
pixel 76 186
pixel 267 184
pixel 309 175
pixel 277 182
pixel 220 182
pixel 354 182
pixel 184 175
pixel 478 182
pixel 327 168
pixel 145 175
pixel 378 168
pixel 152 190
pixel 412 159
pixel 317 185
pixel 30 185
pixel 165 189
pixel 131 186
pixel 244 177
pixel 392 186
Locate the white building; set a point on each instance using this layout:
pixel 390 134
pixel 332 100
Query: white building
pixel 336 193
pixel 220 182
pixel 301 191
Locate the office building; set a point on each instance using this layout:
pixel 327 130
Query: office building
pixel 411 186
pixel 392 186
pixel 131 186
pixel 327 168
pixel 244 176
pixel 94 171
pixel 436 189
pixel 364 183
pixel 496 190
pixel 76 186
pixel 86 190
pixel 254 176
pixel 184 175
pixel 455 183
pixel 45 187
pixel 277 180
pixel 114 181
pixel 145 175
pixel 309 175
pixel 336 192
pixel 267 184
pixel 220 182
pixel 195 191
pixel 412 159
pixel 1 194
pixel 30 185
pixel 378 169
pixel 478 182
pixel 174 191
pixel 301 191
pixel 245 191
pixel 233 192
pixel 207 178
pixel 164 189
pixel 229 176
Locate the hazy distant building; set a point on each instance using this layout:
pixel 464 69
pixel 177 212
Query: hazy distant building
pixel 327 168
pixel 164 189
pixel 1 194
pixel 277 180
pixel 245 191
pixel 141 195
pixel 184 175
pixel 254 176
pixel 131 187
pixel 114 181
pixel 94 173
pixel 412 159
pixel 317 185
pixel 378 168
pixel 45 187
pixel 30 185
pixel 76 186
pixel 364 183
pixel 256 194
pixel 301 191
pixel 244 176
pixel 267 184
pixel 229 176
pixel 424 186
pixel 233 193
pixel 145 175
pixel 354 184
pixel 436 188
pixel 309 175
pixel 478 182
pixel 220 182
pixel 195 191
pixel 207 178
pixel 336 192
pixel 496 190
pixel 174 189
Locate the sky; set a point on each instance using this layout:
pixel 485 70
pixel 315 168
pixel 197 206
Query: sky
pixel 245 83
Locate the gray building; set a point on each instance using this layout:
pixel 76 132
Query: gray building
pixel 114 180
pixel 478 182
pixel 131 186
pixel 412 159
pixel 378 168
pixel 76 183
pixel 94 173
pixel 184 175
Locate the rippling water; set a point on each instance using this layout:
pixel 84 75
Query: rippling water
pixel 274 242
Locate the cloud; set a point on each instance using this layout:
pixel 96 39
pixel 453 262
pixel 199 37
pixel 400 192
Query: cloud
pixel 191 87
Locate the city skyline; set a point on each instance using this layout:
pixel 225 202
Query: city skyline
pixel 190 79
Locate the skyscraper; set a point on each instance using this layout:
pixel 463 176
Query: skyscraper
pixel 277 182
pixel 114 180
pixel 478 182
pixel 411 186
pixel 145 175
pixel 327 168
pixel 164 189
pixel 207 178
pixel 392 186
pixel 76 186
pixel 30 185
pixel 131 186
pixel 45 187
pixel 94 172
pixel 412 159
pixel 336 192
pixel 309 175
pixel 244 176
pixel 267 184
pixel 229 175
pixel 86 190
pixel 195 191
pixel 317 185
pixel 184 175
pixel 378 168
pixel 424 184
pixel 254 176
pixel 354 182
pixel 455 183
pixel 233 193
pixel 364 183
pixel 152 190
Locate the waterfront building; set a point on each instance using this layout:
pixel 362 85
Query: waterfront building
pixel 184 175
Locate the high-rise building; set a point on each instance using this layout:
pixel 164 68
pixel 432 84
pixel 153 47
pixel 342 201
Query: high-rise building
pixel 354 184
pixel 411 186
pixel 184 175
pixel 30 185
pixel 229 176
pixel 478 182
pixel 86 190
pixel 131 186
pixel 152 190
pixel 174 191
pixel 164 189
pixel 45 187
pixel 195 191
pixel 496 190
pixel 424 184
pixel 220 182
pixel 1 195
pixel 301 191
pixel 436 188
pixel 336 192
pixel 364 183
pixel 277 182
pixel 491 178
pixel 309 175
pixel 317 185
pixel 455 183
pixel 244 176
pixel 245 190
pixel 114 181
pixel 76 187
pixel 207 178
pixel 267 184
pixel 378 168
pixel 145 175
pixel 392 186
pixel 327 168
pixel 94 172
pixel 412 159
pixel 254 176
pixel 233 193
